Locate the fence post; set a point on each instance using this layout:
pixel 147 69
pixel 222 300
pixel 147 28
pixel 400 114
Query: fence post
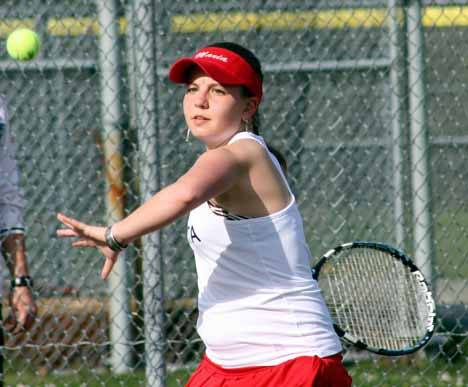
pixel 420 174
pixel 142 46
pixel 396 117
pixel 119 293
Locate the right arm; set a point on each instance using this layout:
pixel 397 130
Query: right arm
pixel 215 172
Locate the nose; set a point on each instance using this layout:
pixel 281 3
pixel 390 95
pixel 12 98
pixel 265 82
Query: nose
pixel 201 100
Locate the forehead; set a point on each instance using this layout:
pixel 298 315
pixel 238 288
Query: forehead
pixel 197 76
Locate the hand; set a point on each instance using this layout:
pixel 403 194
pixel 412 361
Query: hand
pixel 89 236
pixel 23 310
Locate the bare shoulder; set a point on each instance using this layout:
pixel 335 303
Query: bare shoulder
pixel 247 150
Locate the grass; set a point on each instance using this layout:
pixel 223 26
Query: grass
pixel 91 378
pixel 383 372
pixel 429 374
pixel 76 379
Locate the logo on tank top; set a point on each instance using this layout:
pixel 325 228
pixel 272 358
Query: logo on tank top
pixel 192 234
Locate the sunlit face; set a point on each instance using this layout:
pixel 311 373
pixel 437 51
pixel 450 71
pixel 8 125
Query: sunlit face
pixel 214 112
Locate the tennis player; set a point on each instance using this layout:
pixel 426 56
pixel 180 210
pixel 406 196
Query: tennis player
pixel 12 246
pixel 261 317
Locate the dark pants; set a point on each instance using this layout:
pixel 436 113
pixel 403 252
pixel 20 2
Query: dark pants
pixel 2 343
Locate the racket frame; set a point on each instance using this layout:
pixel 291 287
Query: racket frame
pixel 404 259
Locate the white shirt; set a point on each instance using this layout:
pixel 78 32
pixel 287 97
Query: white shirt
pixel 258 304
pixel 11 196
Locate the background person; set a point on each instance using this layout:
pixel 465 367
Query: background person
pixel 12 231
pixel 12 243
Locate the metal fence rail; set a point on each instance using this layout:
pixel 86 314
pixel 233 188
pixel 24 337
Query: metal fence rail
pixel 366 99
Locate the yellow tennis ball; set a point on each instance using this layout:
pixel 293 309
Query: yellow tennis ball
pixel 23 44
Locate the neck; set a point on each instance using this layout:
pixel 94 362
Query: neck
pixel 219 142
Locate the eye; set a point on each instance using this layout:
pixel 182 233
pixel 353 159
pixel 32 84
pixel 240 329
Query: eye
pixel 190 89
pixel 218 91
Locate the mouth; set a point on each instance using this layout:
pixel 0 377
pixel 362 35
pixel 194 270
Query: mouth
pixel 200 119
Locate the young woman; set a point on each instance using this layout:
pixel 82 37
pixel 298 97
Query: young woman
pixel 261 315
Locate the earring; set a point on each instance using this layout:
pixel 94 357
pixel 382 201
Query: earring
pixel 187 136
pixel 247 125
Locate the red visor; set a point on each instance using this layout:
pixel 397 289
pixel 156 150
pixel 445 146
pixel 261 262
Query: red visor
pixel 224 66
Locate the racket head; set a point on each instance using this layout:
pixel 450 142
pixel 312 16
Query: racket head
pixel 378 299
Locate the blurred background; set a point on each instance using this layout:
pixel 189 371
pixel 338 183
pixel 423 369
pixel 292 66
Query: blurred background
pixel 366 99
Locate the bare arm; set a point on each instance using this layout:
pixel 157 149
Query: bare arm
pixel 214 172
pixel 21 300
pixel 14 251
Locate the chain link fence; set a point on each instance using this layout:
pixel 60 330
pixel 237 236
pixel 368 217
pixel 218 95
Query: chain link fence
pixel 366 99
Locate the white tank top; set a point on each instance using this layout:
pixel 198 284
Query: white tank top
pixel 258 304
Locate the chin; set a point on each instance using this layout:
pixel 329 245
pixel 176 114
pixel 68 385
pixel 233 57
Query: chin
pixel 198 134
pixel 210 141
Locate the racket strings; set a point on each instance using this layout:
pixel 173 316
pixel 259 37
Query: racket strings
pixel 375 298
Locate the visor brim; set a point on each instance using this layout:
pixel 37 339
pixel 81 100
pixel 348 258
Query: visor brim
pixel 181 69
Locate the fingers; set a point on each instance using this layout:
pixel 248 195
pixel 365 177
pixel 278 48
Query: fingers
pixel 89 236
pixel 111 257
pixel 108 265
pixel 75 228
pixel 70 222
pixel 84 243
pixel 23 311
pixel 21 323
pixel 66 232
pixel 25 320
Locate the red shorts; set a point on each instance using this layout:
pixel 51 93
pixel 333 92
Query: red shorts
pixel 304 371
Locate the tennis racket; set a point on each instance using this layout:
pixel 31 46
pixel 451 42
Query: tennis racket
pixel 378 298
